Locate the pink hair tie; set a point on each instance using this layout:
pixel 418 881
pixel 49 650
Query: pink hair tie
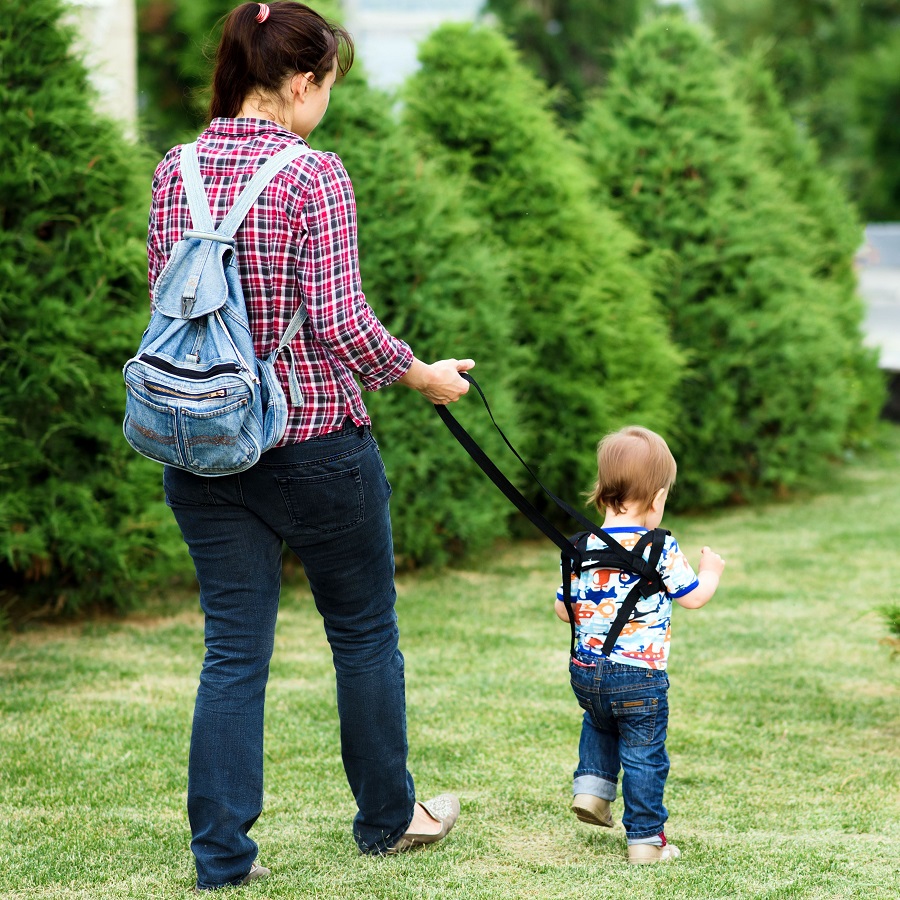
pixel 263 13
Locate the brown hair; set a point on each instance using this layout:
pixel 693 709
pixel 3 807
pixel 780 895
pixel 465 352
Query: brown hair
pixel 632 466
pixel 259 56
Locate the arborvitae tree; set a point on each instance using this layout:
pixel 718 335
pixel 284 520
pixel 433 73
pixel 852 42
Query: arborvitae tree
pixel 175 51
pixel 439 282
pixel 569 43
pixel 597 349
pixel 775 372
pixel 177 42
pixel 80 512
pixel 427 270
pixel 834 232
pixel 875 88
pixel 822 54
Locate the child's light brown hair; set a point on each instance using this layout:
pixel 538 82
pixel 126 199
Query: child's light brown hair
pixel 632 466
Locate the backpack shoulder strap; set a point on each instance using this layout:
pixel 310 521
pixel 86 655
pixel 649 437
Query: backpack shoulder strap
pixel 198 202
pixel 257 185
pixel 204 227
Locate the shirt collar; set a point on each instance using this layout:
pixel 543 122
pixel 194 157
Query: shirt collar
pixel 246 127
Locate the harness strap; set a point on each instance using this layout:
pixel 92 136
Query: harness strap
pixel 639 591
pixel 629 560
pixel 572 555
pixel 566 567
pixel 510 491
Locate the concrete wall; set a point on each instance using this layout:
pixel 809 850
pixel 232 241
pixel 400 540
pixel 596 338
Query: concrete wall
pixel 108 40
pixel 387 32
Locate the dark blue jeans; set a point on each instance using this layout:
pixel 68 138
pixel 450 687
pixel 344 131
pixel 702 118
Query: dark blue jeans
pixel 626 713
pixel 327 499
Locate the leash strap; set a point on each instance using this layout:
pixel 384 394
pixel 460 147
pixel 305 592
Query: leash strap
pixel 631 563
pixel 572 556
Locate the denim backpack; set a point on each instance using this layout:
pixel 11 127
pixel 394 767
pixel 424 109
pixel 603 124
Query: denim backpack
pixel 197 396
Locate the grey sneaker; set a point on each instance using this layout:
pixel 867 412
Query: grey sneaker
pixel 593 810
pixel 256 871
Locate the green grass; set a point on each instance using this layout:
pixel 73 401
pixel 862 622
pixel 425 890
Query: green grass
pixel 783 737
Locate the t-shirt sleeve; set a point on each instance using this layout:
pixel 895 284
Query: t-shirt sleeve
pixel 560 594
pixel 677 573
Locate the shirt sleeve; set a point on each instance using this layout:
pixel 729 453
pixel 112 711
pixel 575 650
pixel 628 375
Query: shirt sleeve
pixel 156 256
pixel 340 318
pixel 154 262
pixel 677 573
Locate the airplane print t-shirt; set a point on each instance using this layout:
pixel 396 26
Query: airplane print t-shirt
pixel 597 595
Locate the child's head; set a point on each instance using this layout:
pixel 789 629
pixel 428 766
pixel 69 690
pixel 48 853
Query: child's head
pixel 633 465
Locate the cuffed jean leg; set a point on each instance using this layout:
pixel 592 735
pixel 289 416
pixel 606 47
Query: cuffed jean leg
pixel 643 716
pixel 598 761
pixel 238 563
pixel 644 771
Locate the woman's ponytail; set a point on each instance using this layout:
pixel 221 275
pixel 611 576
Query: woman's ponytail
pixel 262 44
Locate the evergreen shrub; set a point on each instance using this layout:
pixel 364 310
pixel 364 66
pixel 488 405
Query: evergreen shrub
pixel 437 281
pixel 569 43
pixel 833 233
pixel 81 514
pixel 176 43
pixel 875 87
pixel 595 346
pixel 775 373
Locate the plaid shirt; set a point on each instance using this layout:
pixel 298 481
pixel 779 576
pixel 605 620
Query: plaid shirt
pixel 298 241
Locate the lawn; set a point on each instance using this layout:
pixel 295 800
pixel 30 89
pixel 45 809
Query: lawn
pixel 783 734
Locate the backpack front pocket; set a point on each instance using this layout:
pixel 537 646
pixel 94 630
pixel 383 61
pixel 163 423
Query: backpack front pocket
pixel 151 429
pixel 217 435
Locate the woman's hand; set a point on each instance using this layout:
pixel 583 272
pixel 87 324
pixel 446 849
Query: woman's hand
pixel 439 382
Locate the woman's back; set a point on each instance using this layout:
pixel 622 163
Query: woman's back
pixel 297 242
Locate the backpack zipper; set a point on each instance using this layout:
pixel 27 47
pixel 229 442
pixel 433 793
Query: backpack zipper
pixel 165 366
pixel 184 395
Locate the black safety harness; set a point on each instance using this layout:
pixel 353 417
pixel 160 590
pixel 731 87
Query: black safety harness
pixel 575 556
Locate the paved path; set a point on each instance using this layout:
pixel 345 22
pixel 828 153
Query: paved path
pixel 880 288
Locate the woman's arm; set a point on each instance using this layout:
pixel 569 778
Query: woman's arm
pixel 341 319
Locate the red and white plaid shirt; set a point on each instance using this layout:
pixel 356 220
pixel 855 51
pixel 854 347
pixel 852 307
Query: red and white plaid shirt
pixel 298 241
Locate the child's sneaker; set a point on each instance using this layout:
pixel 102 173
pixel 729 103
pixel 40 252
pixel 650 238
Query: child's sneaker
pixel 593 810
pixel 645 854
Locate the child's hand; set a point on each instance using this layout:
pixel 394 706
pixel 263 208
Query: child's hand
pixel 711 561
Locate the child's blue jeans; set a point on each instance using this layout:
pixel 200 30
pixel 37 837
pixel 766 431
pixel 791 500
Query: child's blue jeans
pixel 625 719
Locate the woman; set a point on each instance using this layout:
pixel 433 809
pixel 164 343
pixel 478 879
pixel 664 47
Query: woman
pixel 323 490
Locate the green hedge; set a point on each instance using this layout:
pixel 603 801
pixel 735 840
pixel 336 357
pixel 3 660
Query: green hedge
pixel 756 288
pixel 439 283
pixel 596 348
pixel 80 513
pixel 683 265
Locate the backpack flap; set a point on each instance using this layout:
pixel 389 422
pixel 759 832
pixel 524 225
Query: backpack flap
pixel 193 283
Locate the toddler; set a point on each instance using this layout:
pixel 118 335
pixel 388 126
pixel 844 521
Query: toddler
pixel 624 696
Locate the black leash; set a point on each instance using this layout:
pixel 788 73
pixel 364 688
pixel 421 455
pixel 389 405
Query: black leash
pixel 572 556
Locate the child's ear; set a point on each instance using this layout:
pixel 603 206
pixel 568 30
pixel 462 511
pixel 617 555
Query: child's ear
pixel 660 497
